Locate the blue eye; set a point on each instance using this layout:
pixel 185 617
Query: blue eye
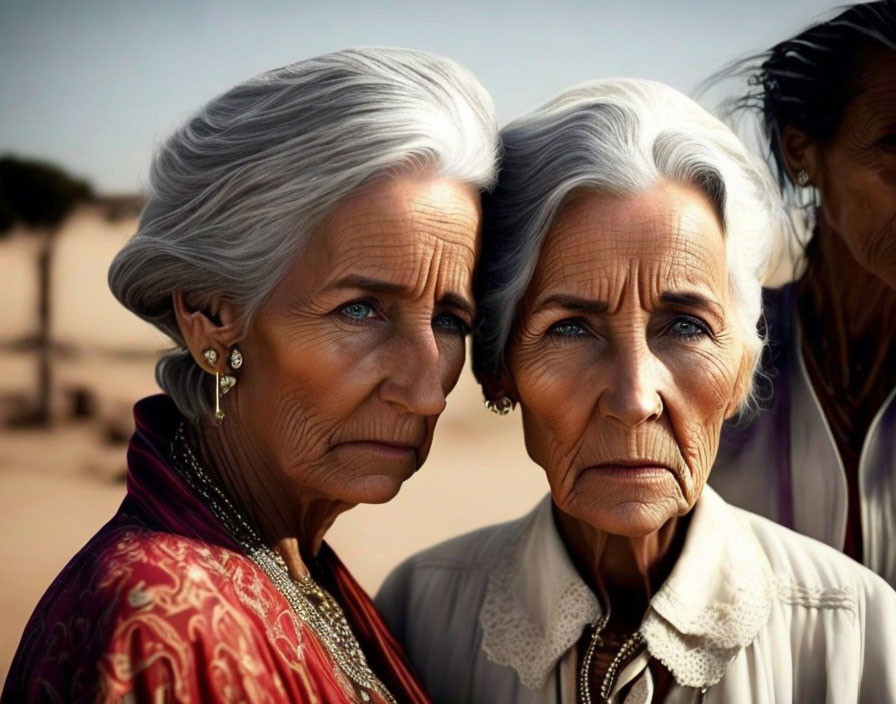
pixel 450 323
pixel 567 328
pixel 357 310
pixel 687 328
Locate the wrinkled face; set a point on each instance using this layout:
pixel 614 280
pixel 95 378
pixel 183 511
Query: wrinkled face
pixel 349 361
pixel 625 359
pixel 857 179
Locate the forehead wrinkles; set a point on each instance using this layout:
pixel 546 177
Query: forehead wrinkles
pixel 422 264
pixel 653 252
pixel 873 104
pixel 876 72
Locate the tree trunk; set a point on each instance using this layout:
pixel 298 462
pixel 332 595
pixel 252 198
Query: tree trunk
pixel 43 408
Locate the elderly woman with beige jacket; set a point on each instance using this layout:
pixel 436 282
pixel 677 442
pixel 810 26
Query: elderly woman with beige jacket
pixel 618 294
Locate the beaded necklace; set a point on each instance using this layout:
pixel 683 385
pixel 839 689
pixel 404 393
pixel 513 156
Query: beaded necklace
pixel 311 603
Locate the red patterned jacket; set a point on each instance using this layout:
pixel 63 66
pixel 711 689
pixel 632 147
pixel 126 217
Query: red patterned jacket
pixel 162 606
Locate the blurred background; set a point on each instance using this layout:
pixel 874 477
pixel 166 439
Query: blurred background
pixel 88 89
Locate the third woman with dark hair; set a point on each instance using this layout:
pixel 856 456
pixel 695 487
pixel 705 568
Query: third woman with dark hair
pixel 821 458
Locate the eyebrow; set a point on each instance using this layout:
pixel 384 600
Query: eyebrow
pixel 688 299
pixel 683 299
pixel 575 304
pixel 452 299
pixel 587 306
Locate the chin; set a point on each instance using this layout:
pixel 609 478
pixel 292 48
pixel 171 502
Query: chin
pixel 374 489
pixel 633 519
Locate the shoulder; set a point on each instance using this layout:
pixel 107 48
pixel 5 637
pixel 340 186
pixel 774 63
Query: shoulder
pixel 432 602
pixel 470 552
pixel 130 567
pixel 812 576
pixel 139 604
pixel 463 557
pixel 835 614
pixel 429 585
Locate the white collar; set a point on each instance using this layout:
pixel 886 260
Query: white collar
pixel 714 602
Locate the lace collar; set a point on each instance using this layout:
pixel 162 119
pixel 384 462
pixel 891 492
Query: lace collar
pixel 713 604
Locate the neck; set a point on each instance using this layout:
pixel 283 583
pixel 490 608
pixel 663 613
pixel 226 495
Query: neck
pixel 289 518
pixel 848 320
pixel 860 302
pixel 626 571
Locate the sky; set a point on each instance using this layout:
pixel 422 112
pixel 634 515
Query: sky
pixel 96 86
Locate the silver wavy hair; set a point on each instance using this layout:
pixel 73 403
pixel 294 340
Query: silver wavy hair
pixel 236 192
pixel 618 136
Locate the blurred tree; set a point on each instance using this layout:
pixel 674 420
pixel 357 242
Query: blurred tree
pixel 39 196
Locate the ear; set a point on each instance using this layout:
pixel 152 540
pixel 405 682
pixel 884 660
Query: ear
pixel 214 328
pixel 800 152
pixel 499 384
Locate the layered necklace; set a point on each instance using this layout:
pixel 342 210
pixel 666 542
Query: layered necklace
pixel 632 646
pixel 311 602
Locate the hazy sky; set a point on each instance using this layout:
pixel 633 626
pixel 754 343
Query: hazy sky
pixel 96 85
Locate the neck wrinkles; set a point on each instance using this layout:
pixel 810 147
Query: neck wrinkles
pixel 848 322
pixel 857 302
pixel 289 519
pixel 625 571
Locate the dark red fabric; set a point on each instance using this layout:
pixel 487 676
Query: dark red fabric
pixel 384 654
pixel 161 606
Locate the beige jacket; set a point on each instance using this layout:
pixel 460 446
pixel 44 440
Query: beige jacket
pixel 752 612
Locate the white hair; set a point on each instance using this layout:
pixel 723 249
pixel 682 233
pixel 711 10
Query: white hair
pixel 237 190
pixel 620 136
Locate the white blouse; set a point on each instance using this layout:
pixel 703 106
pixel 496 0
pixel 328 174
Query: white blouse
pixel 752 612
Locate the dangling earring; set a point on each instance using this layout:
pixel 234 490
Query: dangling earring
pixel 212 358
pixel 501 407
pixel 802 178
pixel 228 381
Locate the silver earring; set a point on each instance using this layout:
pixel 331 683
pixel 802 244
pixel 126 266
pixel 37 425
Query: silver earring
pixel 802 177
pixel 236 358
pixel 226 382
pixel 501 407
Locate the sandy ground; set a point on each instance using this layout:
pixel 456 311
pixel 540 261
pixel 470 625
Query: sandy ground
pixel 58 487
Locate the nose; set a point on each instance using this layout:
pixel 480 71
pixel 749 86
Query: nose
pixel 632 393
pixel 413 382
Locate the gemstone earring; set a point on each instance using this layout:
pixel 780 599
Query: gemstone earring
pixel 226 383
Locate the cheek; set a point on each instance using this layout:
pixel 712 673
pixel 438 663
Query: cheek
pixel 452 355
pixel 557 407
pixel 298 384
pixel 859 203
pixel 704 382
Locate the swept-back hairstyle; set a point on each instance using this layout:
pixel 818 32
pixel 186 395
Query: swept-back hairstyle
pixel 618 136
pixel 237 191
pixel 808 81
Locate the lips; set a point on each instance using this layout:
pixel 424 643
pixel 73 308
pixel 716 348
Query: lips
pixel 634 468
pixel 384 443
pixel 385 448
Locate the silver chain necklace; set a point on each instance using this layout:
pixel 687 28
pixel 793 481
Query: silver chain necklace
pixel 633 645
pixel 626 651
pixel 311 602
